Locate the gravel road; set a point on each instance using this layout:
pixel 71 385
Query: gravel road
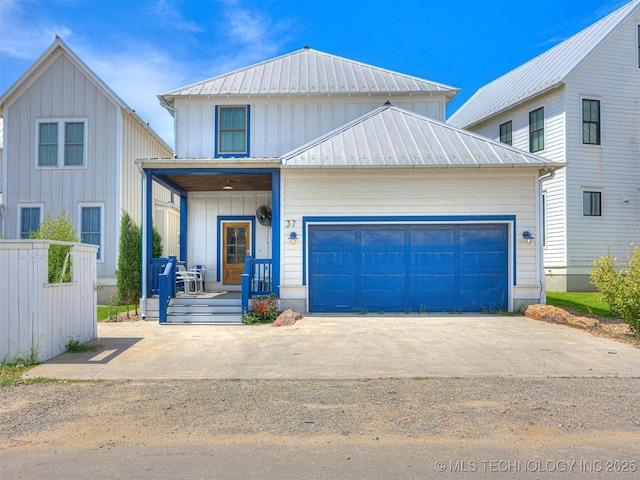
pixel 101 414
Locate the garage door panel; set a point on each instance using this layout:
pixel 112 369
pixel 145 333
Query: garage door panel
pixel 376 236
pixel 453 267
pixel 442 235
pixel 383 261
pixel 433 261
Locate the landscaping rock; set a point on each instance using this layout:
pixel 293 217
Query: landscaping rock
pixel 286 318
pixel 551 314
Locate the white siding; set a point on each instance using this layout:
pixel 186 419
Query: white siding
pixel 611 75
pixel 203 212
pixel 418 192
pixel 553 102
pixel 279 125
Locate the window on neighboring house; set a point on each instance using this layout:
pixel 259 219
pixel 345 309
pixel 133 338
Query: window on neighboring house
pixel 505 133
pixel 90 223
pixel 536 130
pixel 592 204
pixel 29 220
pixel 48 144
pixel 233 130
pixel 61 139
pixel 591 122
pixel 74 143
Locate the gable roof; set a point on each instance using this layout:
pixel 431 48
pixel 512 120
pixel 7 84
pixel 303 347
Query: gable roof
pixel 307 71
pixel 59 45
pixel 393 137
pixel 540 74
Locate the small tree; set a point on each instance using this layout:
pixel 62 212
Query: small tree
pixel 620 286
pixel 156 243
pixel 58 228
pixel 129 263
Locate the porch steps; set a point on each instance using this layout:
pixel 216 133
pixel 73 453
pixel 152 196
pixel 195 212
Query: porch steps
pixel 205 310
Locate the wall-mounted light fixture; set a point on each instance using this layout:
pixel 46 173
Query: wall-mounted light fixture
pixel 293 238
pixel 228 186
pixel 527 236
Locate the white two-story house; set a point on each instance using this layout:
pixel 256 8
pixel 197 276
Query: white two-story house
pixel 345 178
pixel 576 103
pixel 71 143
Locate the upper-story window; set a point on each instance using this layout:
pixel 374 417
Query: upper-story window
pixel 61 143
pixel 591 204
pixel 505 133
pixel 590 122
pixel 536 130
pixel 233 131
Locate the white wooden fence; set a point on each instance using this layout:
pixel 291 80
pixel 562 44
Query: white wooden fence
pixel 38 319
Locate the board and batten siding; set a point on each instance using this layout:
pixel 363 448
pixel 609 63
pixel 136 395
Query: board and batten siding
pixel 418 192
pixel 555 254
pixel 279 125
pixel 611 75
pixel 203 212
pixel 61 91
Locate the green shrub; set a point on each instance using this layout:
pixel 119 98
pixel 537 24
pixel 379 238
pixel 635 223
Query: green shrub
pixel 620 286
pixel 263 310
pixel 129 273
pixel 58 228
pixel 156 243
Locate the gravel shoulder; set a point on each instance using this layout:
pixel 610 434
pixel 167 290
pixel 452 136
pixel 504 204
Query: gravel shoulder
pixel 512 411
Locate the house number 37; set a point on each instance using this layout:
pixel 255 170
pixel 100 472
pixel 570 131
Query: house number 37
pixel 290 223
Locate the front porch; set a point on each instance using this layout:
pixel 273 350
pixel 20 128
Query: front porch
pixel 222 231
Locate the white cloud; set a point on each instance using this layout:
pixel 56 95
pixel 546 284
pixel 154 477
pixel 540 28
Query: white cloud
pixel 25 35
pixel 167 12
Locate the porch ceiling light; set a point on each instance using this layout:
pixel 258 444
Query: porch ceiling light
pixel 527 236
pixel 228 186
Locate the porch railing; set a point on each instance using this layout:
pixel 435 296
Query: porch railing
pixel 156 267
pixel 256 279
pixel 166 288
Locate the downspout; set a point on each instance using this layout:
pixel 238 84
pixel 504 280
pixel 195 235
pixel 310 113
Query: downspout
pixel 145 253
pixel 2 222
pixel 544 176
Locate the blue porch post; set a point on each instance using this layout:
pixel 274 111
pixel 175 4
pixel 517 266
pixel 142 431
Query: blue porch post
pixel 147 232
pixel 183 228
pixel 276 244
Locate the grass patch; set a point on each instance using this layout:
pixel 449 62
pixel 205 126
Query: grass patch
pixel 588 304
pixel 11 374
pixel 74 346
pixel 105 310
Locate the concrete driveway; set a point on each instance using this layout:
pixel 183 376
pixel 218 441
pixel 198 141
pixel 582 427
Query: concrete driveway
pixel 325 347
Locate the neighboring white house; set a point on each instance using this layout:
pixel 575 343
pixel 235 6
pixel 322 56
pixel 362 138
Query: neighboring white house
pixel 576 103
pixel 71 143
pixel 374 204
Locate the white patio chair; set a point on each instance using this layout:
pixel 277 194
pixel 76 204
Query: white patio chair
pixel 190 281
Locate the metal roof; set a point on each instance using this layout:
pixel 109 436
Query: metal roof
pixel 392 137
pixel 309 71
pixel 546 71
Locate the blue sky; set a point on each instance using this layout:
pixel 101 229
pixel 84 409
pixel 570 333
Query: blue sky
pixel 142 48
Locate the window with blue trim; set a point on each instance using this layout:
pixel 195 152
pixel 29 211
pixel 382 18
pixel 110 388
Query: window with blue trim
pixel 90 231
pixel 233 130
pixel 29 221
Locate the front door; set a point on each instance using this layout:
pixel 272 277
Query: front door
pixel 236 246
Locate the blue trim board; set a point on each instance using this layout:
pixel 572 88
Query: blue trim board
pixel 276 243
pixel 404 220
pixel 183 227
pixel 211 171
pixel 233 218
pixel 149 227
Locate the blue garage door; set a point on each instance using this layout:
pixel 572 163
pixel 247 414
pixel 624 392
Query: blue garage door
pixel 408 268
